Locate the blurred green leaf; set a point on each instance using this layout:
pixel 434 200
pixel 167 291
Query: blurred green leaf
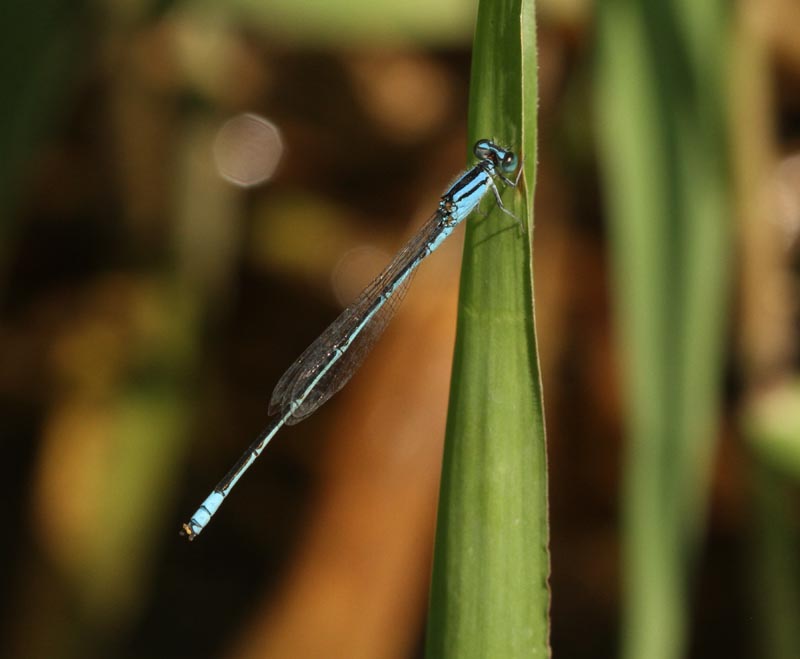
pixel 772 424
pixel 661 94
pixel 351 22
pixel 490 596
pixel 775 570
pixel 39 56
pixel 772 427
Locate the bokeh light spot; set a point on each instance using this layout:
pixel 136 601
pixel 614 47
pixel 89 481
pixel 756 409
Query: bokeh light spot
pixel 247 150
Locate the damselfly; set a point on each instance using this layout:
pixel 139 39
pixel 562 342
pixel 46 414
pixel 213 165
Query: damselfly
pixel 328 363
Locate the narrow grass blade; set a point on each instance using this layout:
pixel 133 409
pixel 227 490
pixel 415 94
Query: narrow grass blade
pixel 39 54
pixel 489 595
pixel 772 427
pixel 661 95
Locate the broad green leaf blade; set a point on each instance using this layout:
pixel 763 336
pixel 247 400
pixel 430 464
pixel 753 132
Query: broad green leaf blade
pixel 490 594
pixel 662 124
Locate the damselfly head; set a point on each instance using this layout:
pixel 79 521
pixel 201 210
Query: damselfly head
pixel 499 157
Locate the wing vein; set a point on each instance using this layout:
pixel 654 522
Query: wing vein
pixel 330 361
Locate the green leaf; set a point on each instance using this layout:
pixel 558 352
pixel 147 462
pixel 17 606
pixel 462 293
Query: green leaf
pixel 490 594
pixel 39 55
pixel 661 107
pixel 772 425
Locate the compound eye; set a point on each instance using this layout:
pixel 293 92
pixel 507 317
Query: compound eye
pixel 482 149
pixel 510 162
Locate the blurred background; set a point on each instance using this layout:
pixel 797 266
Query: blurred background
pixel 190 193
